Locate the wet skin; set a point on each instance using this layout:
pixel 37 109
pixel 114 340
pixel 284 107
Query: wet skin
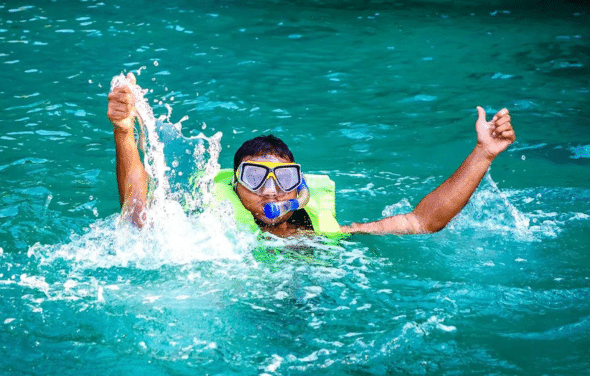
pixel 431 214
pixel 269 192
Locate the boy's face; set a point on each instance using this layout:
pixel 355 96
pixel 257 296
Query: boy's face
pixel 269 192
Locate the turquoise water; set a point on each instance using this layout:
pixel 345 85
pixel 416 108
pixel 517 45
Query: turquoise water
pixel 381 96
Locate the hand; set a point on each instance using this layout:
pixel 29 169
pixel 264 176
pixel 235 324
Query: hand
pixel 121 110
pixel 494 136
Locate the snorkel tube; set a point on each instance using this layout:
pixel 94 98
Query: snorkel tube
pixel 274 210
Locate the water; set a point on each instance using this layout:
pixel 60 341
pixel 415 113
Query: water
pixel 381 96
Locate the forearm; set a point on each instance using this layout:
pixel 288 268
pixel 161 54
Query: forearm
pixel 437 209
pixel 131 175
pixel 403 224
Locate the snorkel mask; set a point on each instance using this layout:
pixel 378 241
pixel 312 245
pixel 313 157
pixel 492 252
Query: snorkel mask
pixel 253 176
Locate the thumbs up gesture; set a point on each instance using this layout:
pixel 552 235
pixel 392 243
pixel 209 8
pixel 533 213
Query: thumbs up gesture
pixel 495 135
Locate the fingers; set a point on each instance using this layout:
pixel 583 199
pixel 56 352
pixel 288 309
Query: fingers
pixel 506 135
pixel 502 128
pixel 481 114
pixel 503 120
pixel 121 104
pixel 500 114
pixel 121 94
pixel 131 78
pixel 504 131
pixel 502 125
pixel 509 135
pixel 118 113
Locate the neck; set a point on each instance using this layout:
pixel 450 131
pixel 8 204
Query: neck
pixel 282 229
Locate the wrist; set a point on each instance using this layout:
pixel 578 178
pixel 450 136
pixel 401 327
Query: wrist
pixel 124 126
pixel 483 153
pixel 123 134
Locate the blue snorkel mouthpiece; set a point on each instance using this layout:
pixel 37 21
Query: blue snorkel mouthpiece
pixel 274 210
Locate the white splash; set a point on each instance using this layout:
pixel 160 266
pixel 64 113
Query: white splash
pixel 184 223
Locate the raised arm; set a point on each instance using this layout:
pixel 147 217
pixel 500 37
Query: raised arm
pixel 131 175
pixel 437 209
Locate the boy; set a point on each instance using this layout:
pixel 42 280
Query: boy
pixel 265 172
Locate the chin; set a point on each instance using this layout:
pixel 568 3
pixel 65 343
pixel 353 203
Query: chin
pixel 272 222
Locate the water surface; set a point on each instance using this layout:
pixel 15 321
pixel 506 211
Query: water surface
pixel 378 95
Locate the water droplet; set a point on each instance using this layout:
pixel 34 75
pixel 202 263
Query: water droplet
pixel 89 81
pixel 48 200
pixel 174 164
pixel 204 126
pixel 156 63
pixel 95 212
pixel 523 157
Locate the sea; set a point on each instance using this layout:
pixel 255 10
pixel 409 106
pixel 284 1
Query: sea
pixel 380 96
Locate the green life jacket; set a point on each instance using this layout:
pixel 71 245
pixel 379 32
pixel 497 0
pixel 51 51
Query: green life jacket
pixel 321 207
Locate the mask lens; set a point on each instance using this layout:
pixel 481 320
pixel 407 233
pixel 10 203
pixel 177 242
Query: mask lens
pixel 253 176
pixel 288 177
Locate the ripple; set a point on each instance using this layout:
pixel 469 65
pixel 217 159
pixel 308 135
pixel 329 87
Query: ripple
pixel 20 9
pixel 52 133
pixel 582 151
pixel 23 161
pixel 9 211
pixel 420 98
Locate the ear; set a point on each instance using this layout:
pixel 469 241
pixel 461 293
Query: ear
pixel 234 184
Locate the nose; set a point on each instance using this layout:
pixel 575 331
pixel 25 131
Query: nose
pixel 270 187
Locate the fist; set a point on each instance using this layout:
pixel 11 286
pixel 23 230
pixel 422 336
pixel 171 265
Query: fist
pixel 495 135
pixel 121 111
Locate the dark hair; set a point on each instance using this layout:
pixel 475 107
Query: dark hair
pixel 262 145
